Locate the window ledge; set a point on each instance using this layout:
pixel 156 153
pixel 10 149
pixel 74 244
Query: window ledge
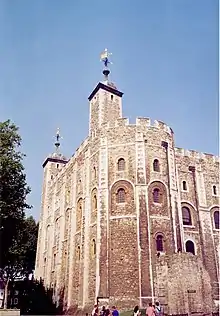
pixel 189 226
pixel 216 229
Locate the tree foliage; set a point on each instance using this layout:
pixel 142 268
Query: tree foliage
pixel 18 234
pixel 21 255
pixel 13 188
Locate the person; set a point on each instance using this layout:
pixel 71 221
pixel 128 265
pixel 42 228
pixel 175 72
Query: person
pixel 136 311
pixel 103 311
pixel 158 309
pixel 114 311
pixel 95 310
pixel 107 312
pixel 150 310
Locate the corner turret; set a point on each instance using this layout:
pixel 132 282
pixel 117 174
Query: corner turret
pixel 56 157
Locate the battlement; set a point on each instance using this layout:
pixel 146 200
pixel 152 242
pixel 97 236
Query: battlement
pixel 196 155
pixel 140 121
pixel 124 121
pixel 145 121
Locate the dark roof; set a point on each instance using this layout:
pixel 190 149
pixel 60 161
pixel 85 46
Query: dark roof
pixel 57 160
pixel 105 87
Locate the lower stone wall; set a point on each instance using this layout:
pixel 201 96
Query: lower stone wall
pixel 183 285
pixel 9 312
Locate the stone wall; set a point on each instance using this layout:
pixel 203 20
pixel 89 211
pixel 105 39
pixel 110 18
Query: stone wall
pixel 9 312
pixel 182 285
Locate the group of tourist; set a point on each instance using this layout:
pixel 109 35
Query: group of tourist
pixel 152 310
pixel 105 311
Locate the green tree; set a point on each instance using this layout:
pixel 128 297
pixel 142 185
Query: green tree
pixel 13 193
pixel 28 244
pixel 22 253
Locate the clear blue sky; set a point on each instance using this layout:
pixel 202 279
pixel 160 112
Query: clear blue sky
pixel 165 55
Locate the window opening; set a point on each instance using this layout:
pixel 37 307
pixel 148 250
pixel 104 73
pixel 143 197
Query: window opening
pixel 216 219
pixel 159 243
pixel 186 215
pixel 184 186
pixel 121 164
pixel 121 196
pixel 190 247
pixel 156 165
pixel 156 195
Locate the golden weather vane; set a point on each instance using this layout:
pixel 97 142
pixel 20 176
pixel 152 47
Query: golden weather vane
pixel 105 57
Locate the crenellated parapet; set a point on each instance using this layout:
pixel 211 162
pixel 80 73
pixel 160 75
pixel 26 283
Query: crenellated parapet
pixel 124 121
pixel 140 121
pixel 161 126
pixel 143 121
pixel 196 155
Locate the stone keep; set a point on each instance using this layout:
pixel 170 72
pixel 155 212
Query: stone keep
pixel 130 218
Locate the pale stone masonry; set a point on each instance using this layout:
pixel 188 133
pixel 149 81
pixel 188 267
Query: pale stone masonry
pixel 130 218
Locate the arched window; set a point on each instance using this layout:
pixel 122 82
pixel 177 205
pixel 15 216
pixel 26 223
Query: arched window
pixel 186 215
pixel 67 222
pixel 156 165
pixel 156 195
pixel 159 243
pixel 121 164
pixel 214 190
pixel 94 202
pixel 78 252
pixel 54 260
pixel 94 172
pixel 190 247
pixel 216 219
pixel 93 247
pixel 184 186
pixel 121 196
pixel 79 214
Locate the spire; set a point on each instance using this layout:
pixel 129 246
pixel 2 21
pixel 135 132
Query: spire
pixel 105 59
